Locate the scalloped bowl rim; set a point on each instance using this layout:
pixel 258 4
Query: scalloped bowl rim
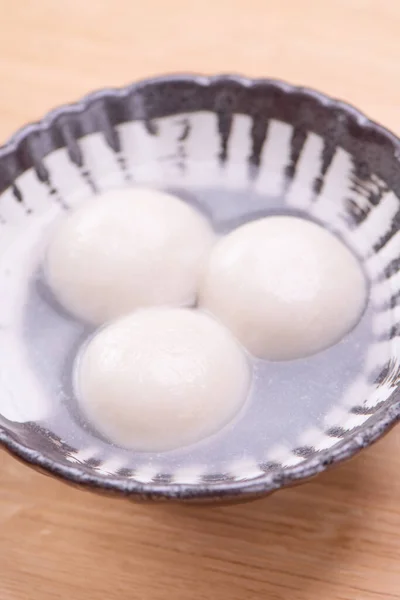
pixel 379 424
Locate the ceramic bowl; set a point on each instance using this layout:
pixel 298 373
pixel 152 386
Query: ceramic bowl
pixel 238 149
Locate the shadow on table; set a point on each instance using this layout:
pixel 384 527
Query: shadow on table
pixel 291 542
pixel 294 544
pixel 298 544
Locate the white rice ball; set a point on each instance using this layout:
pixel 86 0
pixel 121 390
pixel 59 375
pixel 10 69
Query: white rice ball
pixel 285 286
pixel 161 378
pixel 126 249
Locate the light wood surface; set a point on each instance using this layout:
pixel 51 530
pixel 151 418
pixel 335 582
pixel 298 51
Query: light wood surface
pixel 337 538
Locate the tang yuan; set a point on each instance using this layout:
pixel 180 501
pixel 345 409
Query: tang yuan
pixel 126 249
pixel 285 286
pixel 161 378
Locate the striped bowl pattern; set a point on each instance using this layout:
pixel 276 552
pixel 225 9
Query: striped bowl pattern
pixel 324 157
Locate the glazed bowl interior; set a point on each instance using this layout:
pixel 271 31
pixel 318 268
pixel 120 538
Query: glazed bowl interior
pixel 237 150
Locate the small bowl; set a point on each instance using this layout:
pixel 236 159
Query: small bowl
pixel 237 149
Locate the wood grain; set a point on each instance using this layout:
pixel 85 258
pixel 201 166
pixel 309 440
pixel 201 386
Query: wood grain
pixel 337 538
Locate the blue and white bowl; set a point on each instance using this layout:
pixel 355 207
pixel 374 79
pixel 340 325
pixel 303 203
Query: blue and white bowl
pixel 238 149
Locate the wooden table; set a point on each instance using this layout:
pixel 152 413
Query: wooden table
pixel 337 538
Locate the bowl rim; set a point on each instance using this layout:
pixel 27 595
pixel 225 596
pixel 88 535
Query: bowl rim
pixel 378 424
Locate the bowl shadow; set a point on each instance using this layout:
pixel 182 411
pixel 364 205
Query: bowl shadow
pixel 295 544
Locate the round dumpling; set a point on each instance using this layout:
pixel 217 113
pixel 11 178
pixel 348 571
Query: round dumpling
pixel 285 286
pixel 126 249
pixel 161 378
